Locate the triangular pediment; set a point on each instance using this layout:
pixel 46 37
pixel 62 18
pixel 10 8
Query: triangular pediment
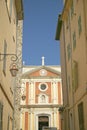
pixel 42 71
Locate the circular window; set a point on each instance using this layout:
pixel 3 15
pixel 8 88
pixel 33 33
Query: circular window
pixel 43 87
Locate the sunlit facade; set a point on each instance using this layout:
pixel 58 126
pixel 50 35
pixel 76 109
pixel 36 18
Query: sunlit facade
pixel 72 33
pixel 10 13
pixel 43 90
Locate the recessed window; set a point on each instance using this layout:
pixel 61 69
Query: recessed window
pixel 42 98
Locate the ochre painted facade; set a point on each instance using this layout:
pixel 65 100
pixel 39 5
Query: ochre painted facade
pixel 43 89
pixel 8 41
pixel 72 33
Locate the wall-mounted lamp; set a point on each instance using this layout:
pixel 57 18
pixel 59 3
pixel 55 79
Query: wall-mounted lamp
pixel 61 109
pixel 22 93
pixel 23 97
pixel 13 67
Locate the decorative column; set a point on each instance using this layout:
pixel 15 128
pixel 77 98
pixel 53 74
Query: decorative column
pixel 54 85
pixel 31 92
pixel 55 119
pixel 31 122
pixel 27 92
pixel 21 119
pixel 26 120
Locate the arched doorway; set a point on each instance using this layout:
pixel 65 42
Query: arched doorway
pixel 43 121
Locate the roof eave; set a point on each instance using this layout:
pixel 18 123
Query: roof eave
pixel 62 17
pixel 19 9
pixel 58 29
pixel 66 8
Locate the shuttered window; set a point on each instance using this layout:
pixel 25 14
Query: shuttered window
pixel 75 75
pixel 10 8
pixel 8 122
pixel 81 116
pixel 72 9
pixel 1 115
pixel 79 25
pixel 74 40
pixel 68 52
pixel 68 82
pixel 4 58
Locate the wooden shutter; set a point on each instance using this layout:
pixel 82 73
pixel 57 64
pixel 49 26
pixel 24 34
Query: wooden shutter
pixel 1 115
pixel 75 75
pixel 81 116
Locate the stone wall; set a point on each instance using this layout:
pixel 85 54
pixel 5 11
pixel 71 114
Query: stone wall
pixel 17 95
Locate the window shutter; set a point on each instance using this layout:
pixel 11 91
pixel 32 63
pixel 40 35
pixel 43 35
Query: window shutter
pixel 74 40
pixel 79 25
pixel 8 122
pixel 68 52
pixel 4 61
pixel 10 10
pixel 75 75
pixel 81 116
pixel 1 115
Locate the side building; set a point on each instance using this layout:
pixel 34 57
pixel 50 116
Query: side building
pixel 72 33
pixel 11 12
pixel 43 90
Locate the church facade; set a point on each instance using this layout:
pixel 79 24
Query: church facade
pixel 43 90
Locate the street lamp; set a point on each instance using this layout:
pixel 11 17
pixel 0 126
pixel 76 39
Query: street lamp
pixel 13 66
pixel 13 69
pixel 23 97
pixel 61 109
pixel 22 94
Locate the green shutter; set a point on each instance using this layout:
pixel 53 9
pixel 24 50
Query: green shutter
pixel 79 25
pixel 8 122
pixel 81 116
pixel 10 10
pixel 72 9
pixel 1 115
pixel 4 61
pixel 75 75
pixel 68 82
pixel 68 51
pixel 74 40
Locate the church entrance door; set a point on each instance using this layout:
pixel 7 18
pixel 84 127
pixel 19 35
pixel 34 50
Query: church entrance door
pixel 43 121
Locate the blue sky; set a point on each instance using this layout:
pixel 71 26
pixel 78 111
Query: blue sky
pixel 39 30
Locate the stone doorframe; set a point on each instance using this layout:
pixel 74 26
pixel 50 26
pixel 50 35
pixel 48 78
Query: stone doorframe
pixel 42 114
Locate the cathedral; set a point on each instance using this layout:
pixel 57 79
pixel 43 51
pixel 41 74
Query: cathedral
pixel 42 87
